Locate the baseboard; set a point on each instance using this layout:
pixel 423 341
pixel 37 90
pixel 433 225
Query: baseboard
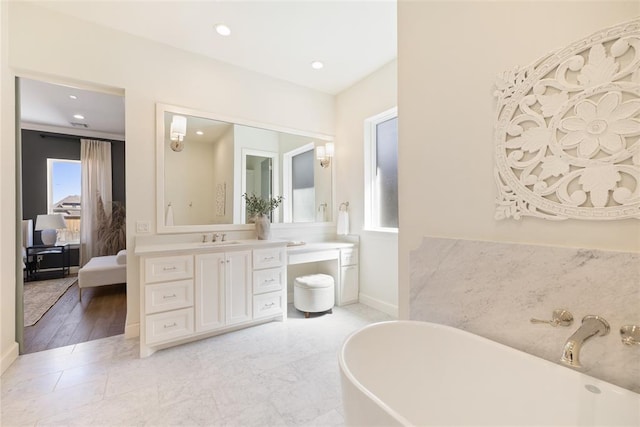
pixel 9 357
pixel 385 307
pixel 132 331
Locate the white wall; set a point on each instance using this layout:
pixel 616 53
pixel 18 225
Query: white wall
pixel 190 176
pixel 449 54
pixel 43 43
pixel 8 224
pixel 378 251
pixel 223 175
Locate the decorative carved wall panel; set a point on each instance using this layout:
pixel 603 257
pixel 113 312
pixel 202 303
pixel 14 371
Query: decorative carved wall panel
pixel 567 131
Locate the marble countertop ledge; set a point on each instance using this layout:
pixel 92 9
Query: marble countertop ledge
pixel 148 248
pixel 232 244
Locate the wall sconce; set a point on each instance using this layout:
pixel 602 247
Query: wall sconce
pixel 49 225
pixel 324 153
pixel 178 132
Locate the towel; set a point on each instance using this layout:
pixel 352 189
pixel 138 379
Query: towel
pixel 343 222
pixel 168 220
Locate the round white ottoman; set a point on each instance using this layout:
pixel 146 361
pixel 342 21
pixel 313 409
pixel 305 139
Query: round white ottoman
pixel 313 293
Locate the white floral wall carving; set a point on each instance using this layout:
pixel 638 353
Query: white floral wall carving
pixel 568 131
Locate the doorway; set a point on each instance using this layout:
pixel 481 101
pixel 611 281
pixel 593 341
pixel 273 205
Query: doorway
pixel 53 119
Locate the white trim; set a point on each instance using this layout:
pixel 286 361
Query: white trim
pixel 132 331
pixel 370 161
pixel 385 307
pixel 9 357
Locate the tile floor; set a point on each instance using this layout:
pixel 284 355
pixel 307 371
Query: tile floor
pixel 274 374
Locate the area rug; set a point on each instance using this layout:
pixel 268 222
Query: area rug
pixel 40 296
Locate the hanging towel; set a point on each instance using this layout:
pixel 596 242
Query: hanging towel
pixel 343 222
pixel 168 220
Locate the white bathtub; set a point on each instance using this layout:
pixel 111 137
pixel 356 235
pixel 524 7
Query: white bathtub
pixel 418 373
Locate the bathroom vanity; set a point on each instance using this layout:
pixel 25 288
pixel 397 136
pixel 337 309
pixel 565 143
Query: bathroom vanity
pixel 190 291
pixel 337 259
pixel 194 290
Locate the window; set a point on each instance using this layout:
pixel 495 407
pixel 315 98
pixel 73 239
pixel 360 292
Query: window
pixel 299 184
pixel 381 171
pixel 63 195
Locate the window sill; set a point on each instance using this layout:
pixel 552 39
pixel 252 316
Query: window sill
pixel 381 230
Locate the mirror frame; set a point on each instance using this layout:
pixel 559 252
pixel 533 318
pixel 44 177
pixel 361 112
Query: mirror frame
pixel 161 228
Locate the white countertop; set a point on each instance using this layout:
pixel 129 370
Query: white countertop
pixel 234 244
pixel 319 246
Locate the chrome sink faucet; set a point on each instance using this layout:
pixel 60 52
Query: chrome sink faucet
pixel 591 326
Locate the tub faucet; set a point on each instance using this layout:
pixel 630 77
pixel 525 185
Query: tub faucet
pixel 591 325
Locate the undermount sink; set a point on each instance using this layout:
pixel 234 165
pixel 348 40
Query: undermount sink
pixel 224 243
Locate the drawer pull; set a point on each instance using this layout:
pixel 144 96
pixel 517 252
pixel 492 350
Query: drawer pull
pixel 270 280
pixel 169 268
pixel 174 324
pixel 269 305
pixel 268 258
pixel 169 296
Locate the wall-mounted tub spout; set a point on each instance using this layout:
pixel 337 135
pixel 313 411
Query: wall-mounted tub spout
pixel 591 326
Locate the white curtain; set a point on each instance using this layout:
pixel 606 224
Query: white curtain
pixel 95 157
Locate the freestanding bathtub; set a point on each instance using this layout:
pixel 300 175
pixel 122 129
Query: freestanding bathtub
pixel 419 373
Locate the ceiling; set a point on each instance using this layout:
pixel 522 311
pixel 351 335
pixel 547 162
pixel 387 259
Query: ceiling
pixel 353 38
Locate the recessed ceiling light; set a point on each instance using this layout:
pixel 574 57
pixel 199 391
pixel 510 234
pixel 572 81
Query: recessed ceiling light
pixel 222 29
pixel 73 97
pixel 199 132
pixel 78 116
pixel 316 65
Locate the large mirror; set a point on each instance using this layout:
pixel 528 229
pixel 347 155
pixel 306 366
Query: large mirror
pixel 206 162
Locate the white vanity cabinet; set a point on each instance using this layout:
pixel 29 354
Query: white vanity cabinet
pixel 194 292
pixel 209 283
pixel 337 259
pixel 349 278
pixel 223 289
pixel 238 287
pixel 269 282
pixel 168 298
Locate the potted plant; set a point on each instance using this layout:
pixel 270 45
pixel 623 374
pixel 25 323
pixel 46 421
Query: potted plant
pixel 258 211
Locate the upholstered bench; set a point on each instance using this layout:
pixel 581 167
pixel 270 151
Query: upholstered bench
pixel 103 270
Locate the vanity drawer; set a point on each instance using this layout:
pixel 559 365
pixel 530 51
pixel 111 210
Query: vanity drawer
pixel 348 256
pixel 267 304
pixel 268 258
pixel 269 280
pixel 164 269
pixel 169 326
pixel 168 296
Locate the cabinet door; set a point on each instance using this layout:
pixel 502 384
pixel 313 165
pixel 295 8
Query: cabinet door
pixel 238 287
pixel 209 300
pixel 348 285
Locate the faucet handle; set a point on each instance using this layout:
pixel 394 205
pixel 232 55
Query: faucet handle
pixel 560 317
pixel 630 334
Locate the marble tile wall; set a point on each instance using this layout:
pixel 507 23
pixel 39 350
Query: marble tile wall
pixel 493 289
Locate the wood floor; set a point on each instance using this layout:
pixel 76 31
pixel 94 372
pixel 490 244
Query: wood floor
pixel 102 313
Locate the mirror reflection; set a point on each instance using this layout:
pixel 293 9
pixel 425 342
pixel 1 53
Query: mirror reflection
pixel 206 164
